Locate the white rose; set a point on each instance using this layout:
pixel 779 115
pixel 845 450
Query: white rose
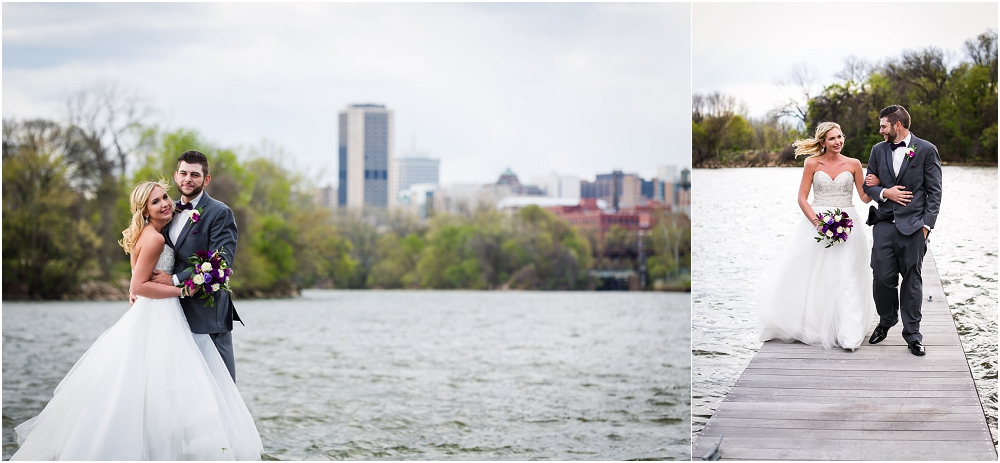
pixel 207 266
pixel 198 279
pixel 829 233
pixel 215 287
pixel 836 218
pixel 840 229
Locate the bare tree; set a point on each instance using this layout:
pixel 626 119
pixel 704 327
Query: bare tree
pixel 856 69
pixel 983 52
pixel 105 129
pixel 108 118
pixel 716 104
pixel 800 85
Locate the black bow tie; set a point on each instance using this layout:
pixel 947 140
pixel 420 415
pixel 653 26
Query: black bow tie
pixel 183 207
pixel 893 146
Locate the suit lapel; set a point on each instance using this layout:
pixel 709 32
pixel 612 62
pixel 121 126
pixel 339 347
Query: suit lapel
pixel 166 236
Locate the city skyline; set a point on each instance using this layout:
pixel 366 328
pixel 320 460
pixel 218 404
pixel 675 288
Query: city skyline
pixel 538 87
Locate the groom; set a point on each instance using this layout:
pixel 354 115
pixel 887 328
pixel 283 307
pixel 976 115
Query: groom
pixel 909 199
pixel 214 229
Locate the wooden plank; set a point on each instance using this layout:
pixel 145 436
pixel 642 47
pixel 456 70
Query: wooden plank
pixel 872 424
pixel 879 405
pixel 800 402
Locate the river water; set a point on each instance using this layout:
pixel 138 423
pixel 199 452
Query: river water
pixel 421 375
pixel 741 219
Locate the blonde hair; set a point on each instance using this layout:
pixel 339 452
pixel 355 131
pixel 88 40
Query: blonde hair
pixel 814 146
pixel 138 201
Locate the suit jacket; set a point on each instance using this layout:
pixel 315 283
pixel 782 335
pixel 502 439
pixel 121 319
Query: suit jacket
pixel 921 175
pixel 216 229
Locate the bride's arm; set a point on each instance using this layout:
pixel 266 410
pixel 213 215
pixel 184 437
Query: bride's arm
pixel 859 181
pixel 807 179
pixel 148 249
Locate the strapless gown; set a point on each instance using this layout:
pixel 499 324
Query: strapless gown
pixel 147 389
pixel 817 295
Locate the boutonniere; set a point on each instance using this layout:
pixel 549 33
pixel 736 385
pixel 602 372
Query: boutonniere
pixel 196 215
pixel 911 152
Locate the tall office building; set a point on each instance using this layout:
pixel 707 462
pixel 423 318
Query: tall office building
pixel 366 170
pixel 412 170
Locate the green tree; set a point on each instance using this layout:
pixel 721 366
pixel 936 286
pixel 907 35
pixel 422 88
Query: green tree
pixel 48 246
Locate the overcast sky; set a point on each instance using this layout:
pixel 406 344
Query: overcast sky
pixel 568 88
pixel 743 49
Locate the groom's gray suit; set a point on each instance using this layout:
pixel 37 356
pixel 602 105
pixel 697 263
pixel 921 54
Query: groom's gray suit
pixel 216 229
pixel 898 242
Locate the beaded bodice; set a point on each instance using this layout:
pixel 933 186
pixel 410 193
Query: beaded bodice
pixel 166 261
pixel 833 192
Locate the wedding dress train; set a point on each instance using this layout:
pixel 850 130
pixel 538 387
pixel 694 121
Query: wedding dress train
pixel 147 389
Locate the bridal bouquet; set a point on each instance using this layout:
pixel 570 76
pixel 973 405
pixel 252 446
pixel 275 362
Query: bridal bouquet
pixel 210 273
pixel 836 225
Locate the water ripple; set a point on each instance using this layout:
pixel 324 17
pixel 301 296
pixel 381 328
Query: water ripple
pixel 422 375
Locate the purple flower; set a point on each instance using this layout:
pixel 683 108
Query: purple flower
pixel 202 254
pixel 208 278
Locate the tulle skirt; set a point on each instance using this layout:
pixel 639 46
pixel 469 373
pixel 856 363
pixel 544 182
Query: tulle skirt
pixel 148 389
pixel 818 295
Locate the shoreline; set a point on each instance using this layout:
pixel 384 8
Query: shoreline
pixel 99 291
pixel 751 164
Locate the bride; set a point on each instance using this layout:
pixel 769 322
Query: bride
pixel 821 295
pixel 148 389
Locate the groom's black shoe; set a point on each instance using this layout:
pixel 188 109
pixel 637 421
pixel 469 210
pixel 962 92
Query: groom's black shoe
pixel 879 334
pixel 916 348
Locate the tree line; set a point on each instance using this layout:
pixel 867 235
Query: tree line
pixel 953 106
pixel 65 203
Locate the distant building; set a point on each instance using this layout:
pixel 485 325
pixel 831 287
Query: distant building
pixel 683 192
pixel 509 179
pixel 461 197
pixel 326 197
pixel 618 189
pixel 417 170
pixel 593 214
pixel 418 198
pixel 559 186
pixel 366 166
pixel 667 173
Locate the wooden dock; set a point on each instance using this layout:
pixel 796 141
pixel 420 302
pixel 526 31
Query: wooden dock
pixel 799 402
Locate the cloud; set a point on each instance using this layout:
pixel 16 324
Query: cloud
pixel 524 85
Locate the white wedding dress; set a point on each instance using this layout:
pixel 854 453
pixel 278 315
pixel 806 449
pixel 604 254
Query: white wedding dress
pixel 814 294
pixel 148 389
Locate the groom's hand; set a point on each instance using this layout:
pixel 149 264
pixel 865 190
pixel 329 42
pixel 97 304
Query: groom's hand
pixel 897 194
pixel 162 278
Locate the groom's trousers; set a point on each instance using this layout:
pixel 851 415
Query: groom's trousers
pixel 895 254
pixel 224 343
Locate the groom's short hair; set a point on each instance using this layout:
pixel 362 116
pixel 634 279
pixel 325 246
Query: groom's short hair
pixel 896 113
pixel 194 157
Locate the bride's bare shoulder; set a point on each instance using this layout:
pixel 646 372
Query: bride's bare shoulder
pixel 150 239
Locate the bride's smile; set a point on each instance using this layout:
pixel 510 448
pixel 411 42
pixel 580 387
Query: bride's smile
pixel 160 208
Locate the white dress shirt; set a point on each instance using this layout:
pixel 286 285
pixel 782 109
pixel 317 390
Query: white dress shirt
pixel 898 155
pixel 177 225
